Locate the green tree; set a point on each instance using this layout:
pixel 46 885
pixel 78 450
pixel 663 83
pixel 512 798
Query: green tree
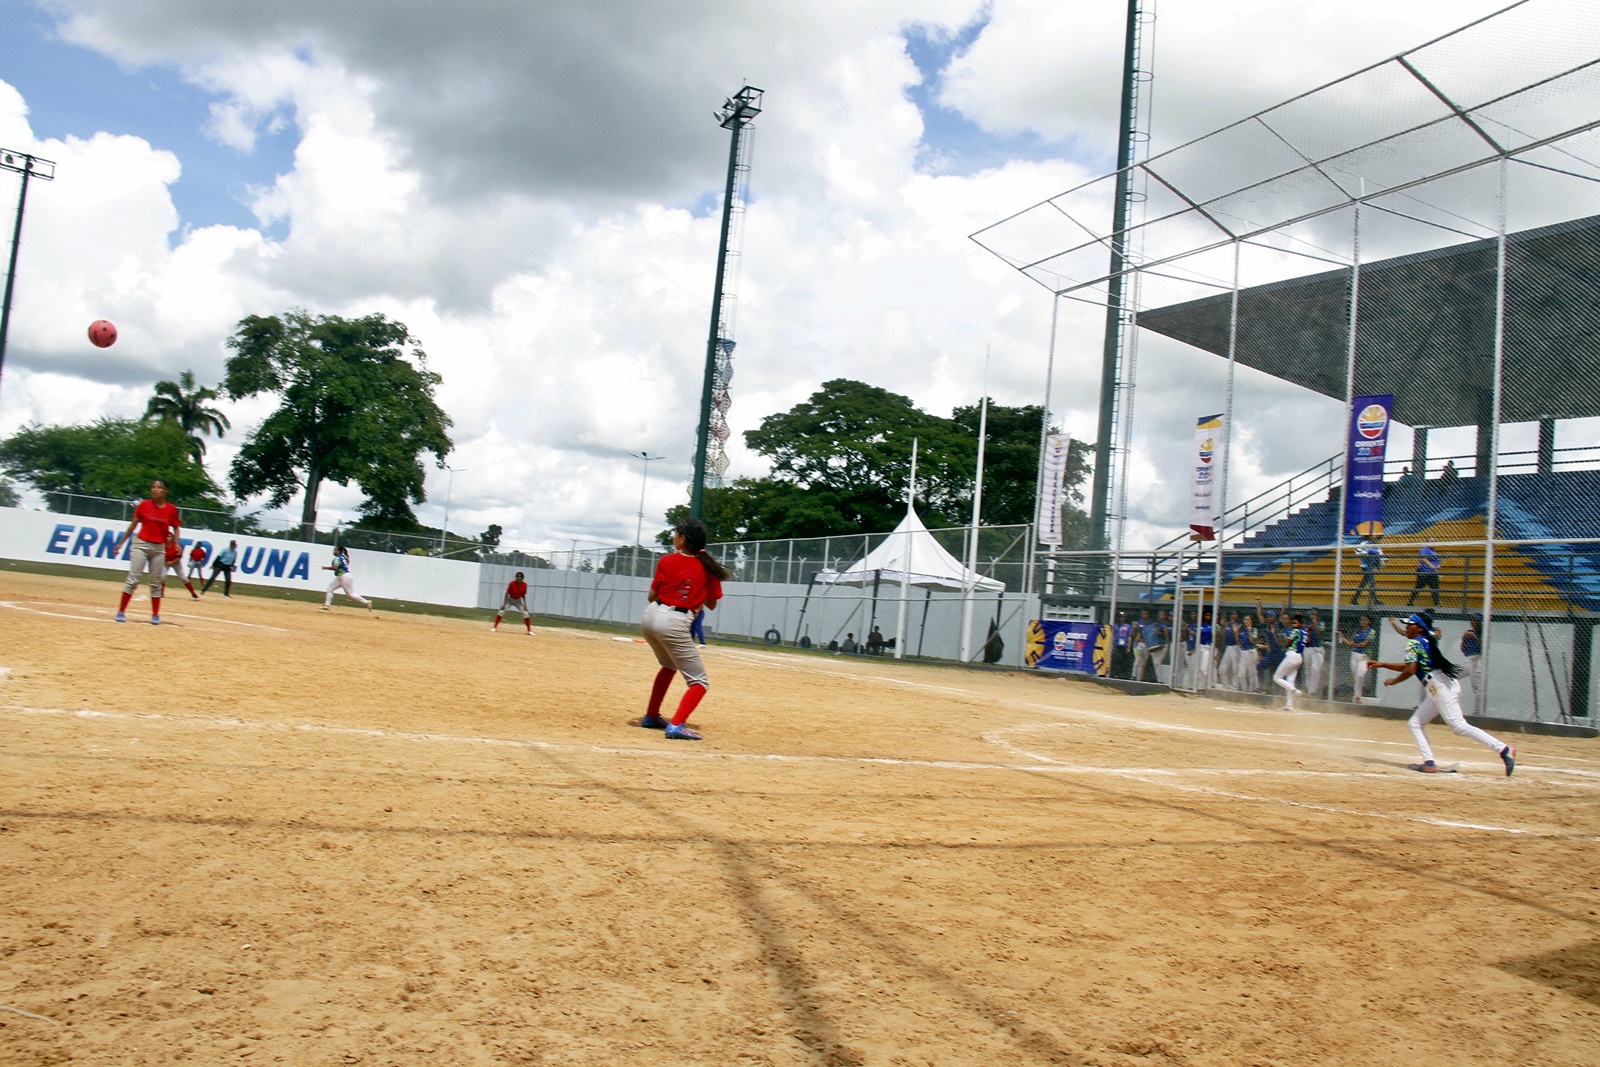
pixel 112 458
pixel 9 498
pixel 847 451
pixel 356 405
pixel 1011 467
pixel 842 457
pixel 185 403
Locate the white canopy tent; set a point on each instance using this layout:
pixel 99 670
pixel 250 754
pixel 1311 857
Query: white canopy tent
pixel 911 551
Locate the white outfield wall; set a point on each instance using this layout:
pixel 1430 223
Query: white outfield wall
pixel 47 537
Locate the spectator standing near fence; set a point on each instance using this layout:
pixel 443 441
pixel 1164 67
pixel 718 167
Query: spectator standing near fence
pixel 1371 557
pixel 1245 673
pixel 1472 656
pixel 1360 645
pixel 1315 655
pixel 156 519
pixel 1143 633
pixel 222 563
pixel 1160 646
pixel 1122 647
pixel 685 581
pixel 1428 565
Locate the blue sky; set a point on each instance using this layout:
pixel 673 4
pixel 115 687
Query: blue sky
pixel 76 92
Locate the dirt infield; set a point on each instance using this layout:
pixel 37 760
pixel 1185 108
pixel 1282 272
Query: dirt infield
pixel 268 834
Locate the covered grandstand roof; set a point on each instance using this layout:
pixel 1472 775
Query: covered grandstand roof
pixel 1427 316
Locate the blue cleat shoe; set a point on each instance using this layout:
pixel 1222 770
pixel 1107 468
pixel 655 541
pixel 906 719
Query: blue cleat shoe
pixel 653 722
pixel 1508 756
pixel 681 733
pixel 122 616
pixel 155 620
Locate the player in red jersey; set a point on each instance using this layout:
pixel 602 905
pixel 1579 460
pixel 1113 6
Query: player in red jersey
pixel 516 597
pixel 156 518
pixel 175 562
pixel 197 563
pixel 685 581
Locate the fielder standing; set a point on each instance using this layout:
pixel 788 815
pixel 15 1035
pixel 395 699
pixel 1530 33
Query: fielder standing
pixel 516 597
pixel 156 519
pixel 343 581
pixel 1441 694
pixel 685 581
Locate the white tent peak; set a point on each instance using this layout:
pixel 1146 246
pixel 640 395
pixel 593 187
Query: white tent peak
pixel 931 567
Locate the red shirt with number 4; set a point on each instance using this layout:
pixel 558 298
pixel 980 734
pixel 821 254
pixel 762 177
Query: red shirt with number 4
pixel 682 582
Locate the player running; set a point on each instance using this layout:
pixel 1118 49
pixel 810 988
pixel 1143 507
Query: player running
pixel 343 581
pixel 1441 694
pixel 516 597
pixel 156 519
pixel 685 581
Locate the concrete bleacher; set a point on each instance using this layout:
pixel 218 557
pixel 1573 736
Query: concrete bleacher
pixel 1529 507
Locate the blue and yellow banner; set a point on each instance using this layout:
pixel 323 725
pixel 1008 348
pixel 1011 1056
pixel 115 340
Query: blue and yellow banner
pixel 1069 646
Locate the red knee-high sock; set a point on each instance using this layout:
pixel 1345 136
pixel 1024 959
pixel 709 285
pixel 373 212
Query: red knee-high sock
pixel 155 606
pixel 658 691
pixel 496 625
pixel 190 586
pixel 691 700
pixel 125 598
pixel 529 624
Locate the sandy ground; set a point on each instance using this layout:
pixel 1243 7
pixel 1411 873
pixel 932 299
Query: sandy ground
pixel 263 833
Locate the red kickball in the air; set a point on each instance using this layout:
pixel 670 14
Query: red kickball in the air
pixel 102 334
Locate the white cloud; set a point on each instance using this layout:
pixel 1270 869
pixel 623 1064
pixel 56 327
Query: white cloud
pixel 515 181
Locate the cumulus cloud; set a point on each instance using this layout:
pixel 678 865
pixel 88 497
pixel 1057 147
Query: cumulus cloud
pixel 527 187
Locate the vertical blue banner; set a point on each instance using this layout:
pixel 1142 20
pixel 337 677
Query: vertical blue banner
pixel 1363 464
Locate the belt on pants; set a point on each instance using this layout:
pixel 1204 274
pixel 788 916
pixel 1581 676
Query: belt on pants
pixel 681 611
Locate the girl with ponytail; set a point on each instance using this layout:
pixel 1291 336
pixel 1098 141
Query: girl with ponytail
pixel 685 581
pixel 1441 694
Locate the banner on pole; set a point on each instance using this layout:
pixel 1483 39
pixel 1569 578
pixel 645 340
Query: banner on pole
pixel 1052 488
pixel 1363 464
pixel 1202 507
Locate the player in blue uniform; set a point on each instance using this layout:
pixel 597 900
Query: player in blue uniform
pixel 1294 648
pixel 1360 644
pixel 1441 694
pixel 343 581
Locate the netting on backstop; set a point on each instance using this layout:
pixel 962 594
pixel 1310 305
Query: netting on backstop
pixel 1425 232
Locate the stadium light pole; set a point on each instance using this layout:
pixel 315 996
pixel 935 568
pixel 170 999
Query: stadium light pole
pixel 29 166
pixel 449 488
pixel 735 116
pixel 638 531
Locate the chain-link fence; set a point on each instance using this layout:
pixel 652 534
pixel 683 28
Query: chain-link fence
pixel 1404 265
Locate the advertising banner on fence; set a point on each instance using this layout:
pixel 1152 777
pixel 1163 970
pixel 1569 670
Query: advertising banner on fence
pixel 47 537
pixel 1363 465
pixel 1203 503
pixel 1069 646
pixel 1052 488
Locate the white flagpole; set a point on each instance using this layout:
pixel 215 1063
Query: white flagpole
pixel 970 579
pixel 905 574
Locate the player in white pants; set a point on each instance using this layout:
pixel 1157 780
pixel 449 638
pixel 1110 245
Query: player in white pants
pixel 1245 671
pixel 1360 645
pixel 1441 695
pixel 1315 656
pixel 343 581
pixel 1293 655
pixel 1471 654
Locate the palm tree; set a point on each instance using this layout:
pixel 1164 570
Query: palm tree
pixel 184 403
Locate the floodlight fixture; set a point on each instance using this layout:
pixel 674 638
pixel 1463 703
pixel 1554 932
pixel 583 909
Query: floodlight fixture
pixel 29 166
